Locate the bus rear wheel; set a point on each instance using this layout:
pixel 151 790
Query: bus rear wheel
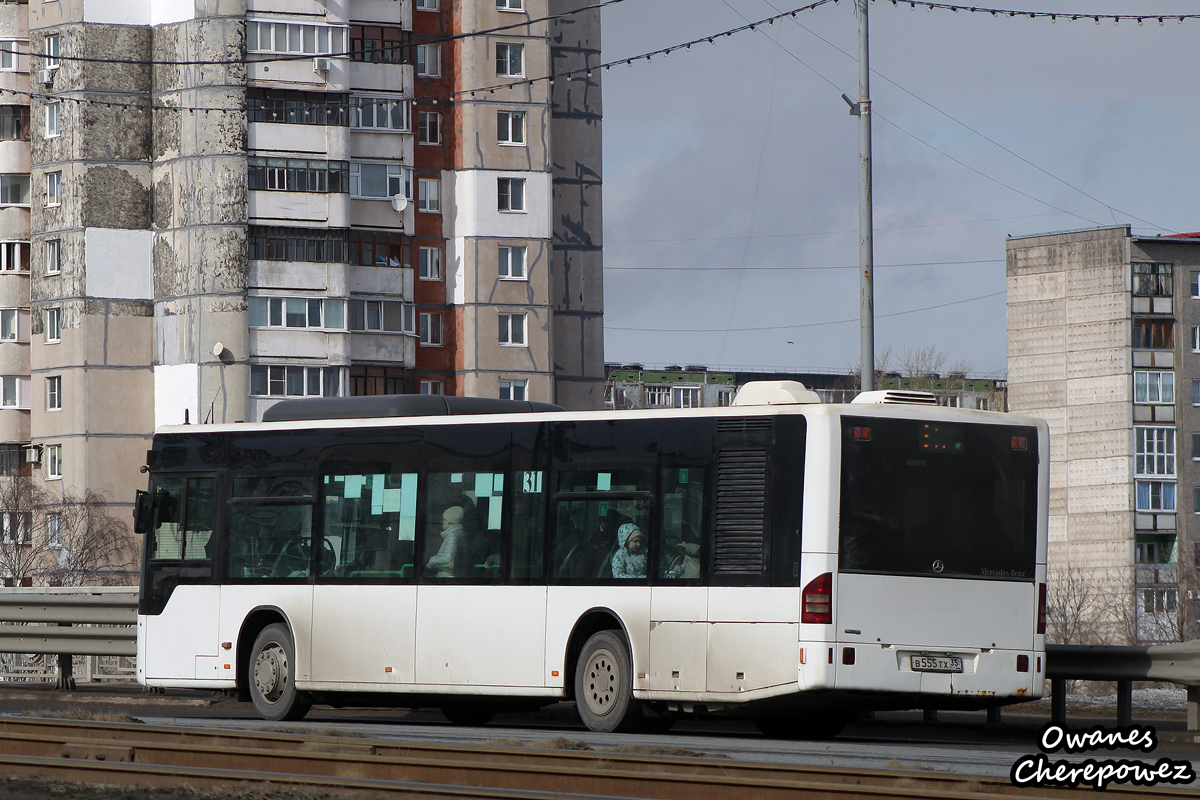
pixel 604 685
pixel 272 676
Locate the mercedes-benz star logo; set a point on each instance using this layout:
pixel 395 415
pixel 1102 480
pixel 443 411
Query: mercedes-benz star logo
pixel 938 566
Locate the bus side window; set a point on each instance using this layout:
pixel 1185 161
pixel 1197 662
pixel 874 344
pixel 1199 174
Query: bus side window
pixel 528 526
pixel 680 547
pixel 270 527
pixel 464 526
pixel 370 527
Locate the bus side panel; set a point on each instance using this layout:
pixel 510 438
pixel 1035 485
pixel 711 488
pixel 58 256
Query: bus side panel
pixel 567 604
pixel 179 639
pixel 678 638
pixel 753 638
pixel 481 635
pixel 364 634
pixel 294 600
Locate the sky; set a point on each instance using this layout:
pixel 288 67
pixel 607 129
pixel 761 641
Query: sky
pixel 731 170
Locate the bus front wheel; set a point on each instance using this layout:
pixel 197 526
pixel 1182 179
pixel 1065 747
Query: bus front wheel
pixel 272 676
pixel 604 685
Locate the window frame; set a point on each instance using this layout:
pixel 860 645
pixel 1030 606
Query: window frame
pixel 425 5
pixel 1158 374
pixel 429 329
pixel 429 202
pixel 1154 451
pixel 51 50
pixel 505 194
pixel 422 61
pixel 54 396
pixel 1164 487
pixel 52 328
pixel 504 132
pixel 14 255
pixel 513 52
pixel 53 127
pixel 278 374
pixel 430 385
pixel 10 50
pixel 429 263
pixel 334 45
pixel 401 173
pixel 425 128
pixel 505 261
pixel 53 246
pixel 511 384
pixel 54 189
pixel 508 324
pixel 9 178
pixel 510 5
pixel 381 108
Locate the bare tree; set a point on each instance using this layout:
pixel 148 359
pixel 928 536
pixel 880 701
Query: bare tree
pixel 47 539
pixel 1072 607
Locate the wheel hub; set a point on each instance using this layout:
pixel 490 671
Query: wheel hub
pixel 602 682
pixel 271 672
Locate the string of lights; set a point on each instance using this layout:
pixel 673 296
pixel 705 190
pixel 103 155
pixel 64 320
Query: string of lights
pixel 264 58
pixel 1053 16
pixel 449 98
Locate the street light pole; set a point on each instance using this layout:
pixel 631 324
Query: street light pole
pixel 866 251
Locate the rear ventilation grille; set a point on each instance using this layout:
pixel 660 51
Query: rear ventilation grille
pixel 741 507
pixel 744 424
pixel 896 397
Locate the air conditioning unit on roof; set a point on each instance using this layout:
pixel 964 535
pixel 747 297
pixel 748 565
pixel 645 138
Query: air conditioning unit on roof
pixel 896 397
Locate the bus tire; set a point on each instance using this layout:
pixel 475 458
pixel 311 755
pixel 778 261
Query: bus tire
pixel 468 714
pixel 604 685
pixel 272 676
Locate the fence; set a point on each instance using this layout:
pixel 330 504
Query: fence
pixel 96 622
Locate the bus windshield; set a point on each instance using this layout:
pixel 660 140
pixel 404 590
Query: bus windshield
pixel 935 499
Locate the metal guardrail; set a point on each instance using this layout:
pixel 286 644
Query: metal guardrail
pixel 1170 663
pixel 68 622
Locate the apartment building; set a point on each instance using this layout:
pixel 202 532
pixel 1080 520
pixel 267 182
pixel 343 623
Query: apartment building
pixel 208 207
pixel 1104 343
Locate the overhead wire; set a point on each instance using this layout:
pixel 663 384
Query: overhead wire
pixel 793 269
pixel 810 324
pixel 1053 16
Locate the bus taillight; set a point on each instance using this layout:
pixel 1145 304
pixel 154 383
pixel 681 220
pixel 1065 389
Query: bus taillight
pixel 817 600
pixel 1041 628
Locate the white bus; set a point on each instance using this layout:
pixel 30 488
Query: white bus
pixel 781 560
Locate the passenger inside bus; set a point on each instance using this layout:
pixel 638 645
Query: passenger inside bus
pixel 452 531
pixel 630 559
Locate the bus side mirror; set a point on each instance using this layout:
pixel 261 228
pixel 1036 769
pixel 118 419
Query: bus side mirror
pixel 143 512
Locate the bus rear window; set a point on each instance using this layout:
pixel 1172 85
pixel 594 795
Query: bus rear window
pixel 937 499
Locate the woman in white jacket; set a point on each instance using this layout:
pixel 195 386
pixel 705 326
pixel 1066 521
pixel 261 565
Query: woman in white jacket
pixel 452 530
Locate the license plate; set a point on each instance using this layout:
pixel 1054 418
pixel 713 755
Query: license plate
pixel 937 664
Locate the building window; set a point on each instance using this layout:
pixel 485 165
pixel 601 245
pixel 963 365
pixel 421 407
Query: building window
pixel 10 392
pixel 724 398
pixel 51 51
pixel 1154 334
pixel 1152 280
pixel 1154 388
pixel 379 181
pixel 1196 393
pixel 379 316
pixel 510 127
pixel 14 123
pixel 1159 601
pixel 1154 451
pixel 432 387
pixel 14 190
pixel 375 248
pixel 287 381
pixel 512 262
pixel 10 51
pixel 510 60
pixel 512 330
pixel 510 5
pixel 513 390
pixel 296 108
pixel 1196 446
pixel 294 244
pixel 53 188
pixel 54 531
pixel 296 175
pixel 331 314
pixel 54 393
pixel 510 194
pixel 429 195
pixel 1195 285
pixel 427 5
pixel 1155 496
pixel 53 119
pixel 657 397
pixel 430 264
pixel 54 470
pixel 431 328
pixel 429 60
pixel 53 325
pixel 429 127
pixel 686 397
pixel 9 327
pixel 53 256
pixel 1195 339
pixel 15 526
pixel 377 380
pixel 379 44
pixel 290 37
pixel 379 113
pixel 14 256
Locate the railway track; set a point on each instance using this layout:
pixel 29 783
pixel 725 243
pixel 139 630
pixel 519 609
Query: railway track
pixel 135 754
